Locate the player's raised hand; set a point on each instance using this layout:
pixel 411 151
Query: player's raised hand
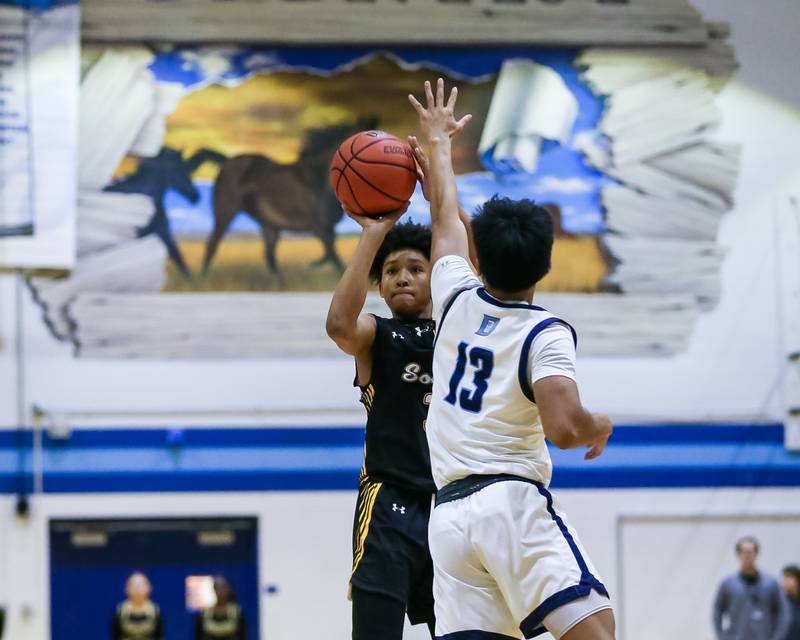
pixel 604 429
pixel 437 119
pixel 380 224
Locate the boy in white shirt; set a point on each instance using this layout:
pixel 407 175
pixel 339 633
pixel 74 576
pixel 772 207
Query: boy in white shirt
pixel 506 563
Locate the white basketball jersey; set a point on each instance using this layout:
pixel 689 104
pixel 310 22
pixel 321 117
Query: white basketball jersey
pixel 483 418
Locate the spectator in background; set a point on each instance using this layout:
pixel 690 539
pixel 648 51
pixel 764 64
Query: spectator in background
pixel 750 604
pixel 138 617
pixel 223 621
pixel 791 587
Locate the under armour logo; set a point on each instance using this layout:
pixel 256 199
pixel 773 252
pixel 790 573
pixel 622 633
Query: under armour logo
pixel 421 330
pixel 398 335
pixel 401 509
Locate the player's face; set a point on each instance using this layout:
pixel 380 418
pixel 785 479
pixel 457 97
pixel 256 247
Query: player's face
pixel 747 556
pixel 405 283
pixel 138 588
pixel 222 590
pixel 791 586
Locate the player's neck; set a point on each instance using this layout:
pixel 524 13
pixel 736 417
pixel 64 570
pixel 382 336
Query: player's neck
pixel 526 295
pixel 425 314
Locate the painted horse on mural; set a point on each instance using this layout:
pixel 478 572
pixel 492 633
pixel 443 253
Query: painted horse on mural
pixel 154 177
pixel 282 197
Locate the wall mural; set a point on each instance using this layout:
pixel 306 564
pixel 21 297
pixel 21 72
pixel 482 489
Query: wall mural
pixel 207 229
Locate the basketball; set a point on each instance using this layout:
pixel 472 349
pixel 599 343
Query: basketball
pixel 373 173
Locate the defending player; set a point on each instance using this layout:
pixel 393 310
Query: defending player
pixel 506 561
pixel 392 571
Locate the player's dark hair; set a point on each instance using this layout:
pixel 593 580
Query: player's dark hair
pixel 792 570
pixel 407 235
pixel 514 242
pixel 222 581
pixel 745 540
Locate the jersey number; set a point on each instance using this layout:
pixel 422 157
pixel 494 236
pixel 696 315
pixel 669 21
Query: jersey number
pixel 482 360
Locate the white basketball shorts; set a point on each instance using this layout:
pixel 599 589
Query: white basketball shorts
pixel 507 564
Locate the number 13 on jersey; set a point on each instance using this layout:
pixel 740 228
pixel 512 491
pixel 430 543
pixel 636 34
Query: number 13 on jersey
pixel 482 362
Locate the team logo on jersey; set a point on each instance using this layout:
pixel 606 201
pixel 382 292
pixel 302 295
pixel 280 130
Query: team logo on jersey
pixel 488 325
pixel 414 373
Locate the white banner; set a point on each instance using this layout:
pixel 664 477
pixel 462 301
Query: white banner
pixel 39 80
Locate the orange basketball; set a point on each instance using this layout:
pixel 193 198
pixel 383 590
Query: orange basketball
pixel 373 173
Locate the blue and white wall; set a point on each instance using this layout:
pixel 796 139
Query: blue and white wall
pixel 659 514
pixel 660 551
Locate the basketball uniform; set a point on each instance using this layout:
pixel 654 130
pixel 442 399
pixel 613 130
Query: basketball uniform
pixel 226 625
pixel 507 564
pixel 129 624
pixel 390 530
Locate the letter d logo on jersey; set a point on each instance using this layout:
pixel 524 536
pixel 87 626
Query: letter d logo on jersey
pixel 488 325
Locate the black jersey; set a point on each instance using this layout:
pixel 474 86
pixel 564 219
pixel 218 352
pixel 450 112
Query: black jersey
pixel 216 625
pixel 130 624
pixel 397 399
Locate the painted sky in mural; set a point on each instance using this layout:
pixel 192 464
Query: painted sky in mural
pixel 562 177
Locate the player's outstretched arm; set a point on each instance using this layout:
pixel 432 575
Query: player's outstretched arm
pixel 439 124
pixel 565 421
pixel 352 331
pixel 424 169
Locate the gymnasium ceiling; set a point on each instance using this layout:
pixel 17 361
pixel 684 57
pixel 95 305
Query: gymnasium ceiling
pixel 656 23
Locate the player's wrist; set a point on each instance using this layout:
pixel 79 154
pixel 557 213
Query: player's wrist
pixel 602 424
pixel 375 232
pixel 439 139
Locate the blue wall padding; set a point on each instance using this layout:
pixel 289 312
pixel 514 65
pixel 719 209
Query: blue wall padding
pixel 329 458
